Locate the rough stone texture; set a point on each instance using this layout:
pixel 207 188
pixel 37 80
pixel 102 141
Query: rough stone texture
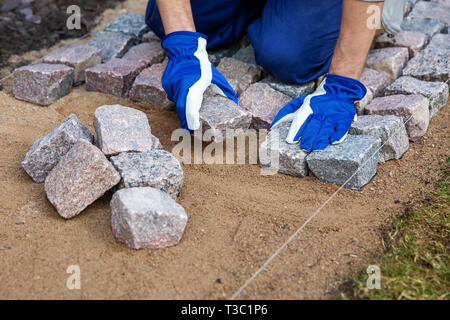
pixel 376 81
pixel 436 92
pixel 122 129
pixel 428 27
pixel 239 74
pixel 291 90
pixel 46 152
pixel 42 83
pixel 263 103
pixel 148 88
pixel 157 169
pixel 114 77
pixel 216 55
pixel 337 163
pixel 82 176
pixel 390 60
pixel 433 63
pixel 130 24
pixel 434 10
pixel 246 54
pixel 112 44
pixel 148 52
pixel 409 6
pixel 361 105
pixel 218 114
pixel 414 41
pixel 150 36
pixel 146 218
pixel 78 56
pixel 412 108
pixel 292 159
pixel 390 129
pixel 156 144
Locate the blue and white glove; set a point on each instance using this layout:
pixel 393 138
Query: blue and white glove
pixel 188 74
pixel 324 116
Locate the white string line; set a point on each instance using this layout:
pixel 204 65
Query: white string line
pixel 292 237
pixel 39 59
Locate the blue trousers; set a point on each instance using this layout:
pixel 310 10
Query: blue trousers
pixel 294 40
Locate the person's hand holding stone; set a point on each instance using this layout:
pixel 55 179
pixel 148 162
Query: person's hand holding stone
pixel 324 116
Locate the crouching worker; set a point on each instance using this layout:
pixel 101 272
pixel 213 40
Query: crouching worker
pixel 296 41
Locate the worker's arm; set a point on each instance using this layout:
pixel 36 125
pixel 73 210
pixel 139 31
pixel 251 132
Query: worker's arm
pixel 176 15
pixel 325 116
pixel 189 72
pixel 355 38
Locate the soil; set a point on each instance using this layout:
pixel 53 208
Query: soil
pixel 22 30
pixel 237 219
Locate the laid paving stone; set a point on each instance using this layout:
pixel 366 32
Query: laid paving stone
pixel 157 169
pixel 114 77
pixel 427 27
pixel 412 108
pixel 148 88
pixel 146 218
pixel 390 60
pixel 431 64
pixel 434 10
pixel 239 74
pixel 46 152
pixel 148 52
pixel 291 159
pixel 376 81
pixel 82 176
pixel 150 36
pixel 219 114
pixel 130 24
pixel 246 54
pixel 361 105
pixel 291 90
pixel 414 41
pixel 78 56
pixel 263 103
pixel 122 129
pixel 42 83
pixel 391 131
pixel 112 44
pixel 216 55
pixel 354 160
pixel 436 92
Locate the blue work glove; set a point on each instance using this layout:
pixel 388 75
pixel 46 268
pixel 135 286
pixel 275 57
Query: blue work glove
pixel 188 74
pixel 324 116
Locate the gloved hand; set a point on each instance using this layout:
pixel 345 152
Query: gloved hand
pixel 324 116
pixel 188 74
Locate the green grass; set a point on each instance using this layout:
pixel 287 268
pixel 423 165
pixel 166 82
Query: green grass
pixel 417 265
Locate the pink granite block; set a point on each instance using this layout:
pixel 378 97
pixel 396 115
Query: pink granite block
pixel 239 74
pixel 146 218
pixel 414 41
pixel 433 10
pixel 114 77
pixel 412 108
pixel 82 176
pixel 263 103
pixel 122 129
pixel 150 36
pixel 148 88
pixel 376 81
pixel 42 83
pixel 78 56
pixel 361 104
pixel 148 52
pixel 390 60
pixel 222 118
pixel 436 92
